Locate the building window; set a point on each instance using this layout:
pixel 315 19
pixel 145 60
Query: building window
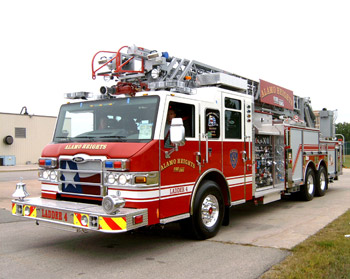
pixel 20 133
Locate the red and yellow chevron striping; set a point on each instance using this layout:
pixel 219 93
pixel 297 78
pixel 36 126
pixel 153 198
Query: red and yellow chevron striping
pixel 112 224
pixel 77 219
pixel 32 211
pixel 13 208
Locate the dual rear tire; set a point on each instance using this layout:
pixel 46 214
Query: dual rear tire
pixel 322 181
pixel 316 184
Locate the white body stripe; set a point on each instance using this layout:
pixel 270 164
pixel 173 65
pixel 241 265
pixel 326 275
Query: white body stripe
pixel 152 194
pixel 239 180
pixel 49 187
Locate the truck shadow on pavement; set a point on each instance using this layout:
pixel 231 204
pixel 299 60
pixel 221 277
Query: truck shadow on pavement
pixel 143 242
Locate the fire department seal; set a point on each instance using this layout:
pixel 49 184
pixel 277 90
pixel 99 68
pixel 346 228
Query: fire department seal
pixel 233 158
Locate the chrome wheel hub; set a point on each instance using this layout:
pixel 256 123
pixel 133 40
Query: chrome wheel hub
pixel 210 211
pixel 322 181
pixel 310 185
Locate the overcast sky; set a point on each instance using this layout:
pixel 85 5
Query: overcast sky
pixel 47 46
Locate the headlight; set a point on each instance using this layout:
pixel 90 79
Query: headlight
pixel 111 178
pixel 122 179
pixel 53 175
pixel 46 174
pixel 114 178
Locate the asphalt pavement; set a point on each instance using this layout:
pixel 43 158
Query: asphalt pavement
pixel 30 251
pixel 257 238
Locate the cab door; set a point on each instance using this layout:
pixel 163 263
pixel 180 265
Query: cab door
pixel 211 137
pixel 237 145
pixel 179 169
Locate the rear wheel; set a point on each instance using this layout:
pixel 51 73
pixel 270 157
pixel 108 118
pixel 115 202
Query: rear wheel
pixel 322 182
pixel 208 211
pixel 308 189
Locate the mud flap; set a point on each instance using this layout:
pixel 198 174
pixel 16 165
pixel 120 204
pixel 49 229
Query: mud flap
pixel 226 220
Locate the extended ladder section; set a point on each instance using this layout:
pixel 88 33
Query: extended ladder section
pixel 142 69
pixel 138 69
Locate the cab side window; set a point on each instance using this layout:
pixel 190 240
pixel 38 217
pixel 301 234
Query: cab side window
pixel 187 113
pixel 233 118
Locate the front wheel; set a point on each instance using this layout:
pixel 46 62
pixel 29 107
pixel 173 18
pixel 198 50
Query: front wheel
pixel 308 189
pixel 208 211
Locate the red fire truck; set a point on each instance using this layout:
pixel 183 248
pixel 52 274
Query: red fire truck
pixel 177 140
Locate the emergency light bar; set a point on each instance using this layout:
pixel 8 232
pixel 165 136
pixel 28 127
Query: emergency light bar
pixel 78 95
pixel 48 162
pixel 120 164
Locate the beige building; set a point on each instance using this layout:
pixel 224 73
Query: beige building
pixel 23 136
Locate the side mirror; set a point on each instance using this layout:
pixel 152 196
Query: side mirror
pixel 177 135
pixel 177 132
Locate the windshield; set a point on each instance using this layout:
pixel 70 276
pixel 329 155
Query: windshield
pixel 126 119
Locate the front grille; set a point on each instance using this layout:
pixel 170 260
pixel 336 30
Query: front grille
pixel 81 178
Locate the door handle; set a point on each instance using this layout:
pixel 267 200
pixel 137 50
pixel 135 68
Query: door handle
pixel 244 156
pixel 247 141
pixel 198 158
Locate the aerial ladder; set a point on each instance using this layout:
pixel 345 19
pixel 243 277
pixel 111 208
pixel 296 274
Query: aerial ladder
pixel 138 69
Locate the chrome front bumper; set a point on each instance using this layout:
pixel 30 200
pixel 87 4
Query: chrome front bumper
pixel 80 215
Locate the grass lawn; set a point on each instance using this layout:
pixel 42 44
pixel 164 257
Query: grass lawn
pixel 324 255
pixel 347 161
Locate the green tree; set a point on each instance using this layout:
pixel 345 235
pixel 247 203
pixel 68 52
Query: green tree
pixel 344 129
